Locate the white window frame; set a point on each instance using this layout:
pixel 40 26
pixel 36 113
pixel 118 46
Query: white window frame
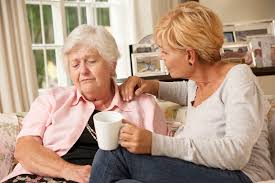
pixel 58 14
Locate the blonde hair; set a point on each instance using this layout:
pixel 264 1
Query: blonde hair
pixel 191 25
pixel 93 37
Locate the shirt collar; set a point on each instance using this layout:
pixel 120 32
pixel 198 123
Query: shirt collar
pixel 116 102
pixel 78 96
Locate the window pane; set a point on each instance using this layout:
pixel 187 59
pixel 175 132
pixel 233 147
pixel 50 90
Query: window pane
pixel 40 68
pixel 48 24
pixel 103 16
pixel 71 18
pixel 34 23
pixel 51 65
pixel 83 15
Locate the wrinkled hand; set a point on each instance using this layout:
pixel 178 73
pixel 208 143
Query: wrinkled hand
pixel 77 173
pixel 135 140
pixel 127 89
pixel 135 86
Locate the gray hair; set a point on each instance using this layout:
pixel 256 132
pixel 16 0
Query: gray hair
pixel 94 37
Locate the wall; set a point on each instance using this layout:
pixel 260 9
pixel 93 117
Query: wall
pixel 268 84
pixel 244 10
pixel 231 11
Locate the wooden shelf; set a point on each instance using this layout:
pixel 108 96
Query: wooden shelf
pixel 263 71
pixel 166 78
pixel 163 78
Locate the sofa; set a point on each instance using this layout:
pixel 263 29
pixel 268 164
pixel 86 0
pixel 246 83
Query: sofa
pixel 175 114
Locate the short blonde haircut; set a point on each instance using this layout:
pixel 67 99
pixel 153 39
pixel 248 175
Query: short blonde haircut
pixel 96 37
pixel 191 25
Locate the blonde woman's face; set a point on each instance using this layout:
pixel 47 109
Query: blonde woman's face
pixel 175 61
pixel 90 73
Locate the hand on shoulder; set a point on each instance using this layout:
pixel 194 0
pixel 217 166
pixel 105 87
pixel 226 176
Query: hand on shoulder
pixel 135 86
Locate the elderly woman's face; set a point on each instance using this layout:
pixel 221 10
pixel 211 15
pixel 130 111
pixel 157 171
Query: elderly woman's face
pixel 90 73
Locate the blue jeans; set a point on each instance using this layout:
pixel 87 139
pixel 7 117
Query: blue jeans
pixel 123 167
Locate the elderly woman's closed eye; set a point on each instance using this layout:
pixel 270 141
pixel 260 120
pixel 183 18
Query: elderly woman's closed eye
pixel 58 139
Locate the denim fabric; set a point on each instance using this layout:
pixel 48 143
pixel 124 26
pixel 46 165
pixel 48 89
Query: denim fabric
pixel 128 181
pixel 113 166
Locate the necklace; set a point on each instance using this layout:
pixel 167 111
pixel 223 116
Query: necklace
pixel 91 131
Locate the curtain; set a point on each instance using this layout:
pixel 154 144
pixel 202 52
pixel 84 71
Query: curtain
pixel 132 20
pixel 17 66
pixel 161 7
pixel 146 14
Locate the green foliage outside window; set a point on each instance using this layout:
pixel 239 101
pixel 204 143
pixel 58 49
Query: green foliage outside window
pixel 71 18
pixel 48 24
pixel 34 23
pixel 51 66
pixel 83 15
pixel 40 68
pixel 103 16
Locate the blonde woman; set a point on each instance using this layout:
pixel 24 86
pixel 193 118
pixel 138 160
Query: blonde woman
pixel 225 135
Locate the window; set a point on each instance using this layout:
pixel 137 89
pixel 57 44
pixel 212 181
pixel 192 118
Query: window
pixel 50 21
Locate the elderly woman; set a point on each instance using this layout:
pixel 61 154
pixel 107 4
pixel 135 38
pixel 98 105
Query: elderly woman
pixel 225 135
pixel 57 138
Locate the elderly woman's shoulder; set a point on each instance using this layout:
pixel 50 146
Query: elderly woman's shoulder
pixel 145 98
pixel 143 101
pixel 59 92
pixel 53 96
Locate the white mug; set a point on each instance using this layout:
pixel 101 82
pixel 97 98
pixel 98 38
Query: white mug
pixel 107 126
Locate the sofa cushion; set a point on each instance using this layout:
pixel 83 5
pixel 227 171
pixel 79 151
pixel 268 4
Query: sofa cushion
pixel 271 117
pixel 271 126
pixel 9 129
pixel 172 115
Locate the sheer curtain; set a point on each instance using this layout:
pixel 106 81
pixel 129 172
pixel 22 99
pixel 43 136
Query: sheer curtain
pixel 160 8
pixel 17 67
pixel 132 20
pixel 146 14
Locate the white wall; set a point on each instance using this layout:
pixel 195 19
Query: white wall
pixel 268 84
pixel 242 10
pixel 231 11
